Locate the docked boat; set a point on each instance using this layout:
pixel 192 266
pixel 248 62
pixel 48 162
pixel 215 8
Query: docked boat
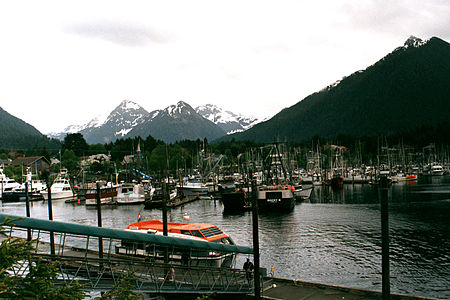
pixel 437 170
pixel 302 194
pixel 276 198
pixel 192 188
pixel 130 193
pixel 156 200
pixel 36 189
pixel 108 193
pixel 192 231
pixel 399 177
pixel 7 184
pixel 61 188
pixel 235 200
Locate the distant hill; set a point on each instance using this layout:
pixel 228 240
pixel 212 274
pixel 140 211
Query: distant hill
pixel 16 134
pixel 406 90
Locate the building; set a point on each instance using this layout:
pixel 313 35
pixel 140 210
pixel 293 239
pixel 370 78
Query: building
pixel 36 163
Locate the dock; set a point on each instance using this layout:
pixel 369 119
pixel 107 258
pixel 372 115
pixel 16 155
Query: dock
pixel 289 289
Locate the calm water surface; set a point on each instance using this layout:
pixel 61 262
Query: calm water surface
pixel 333 238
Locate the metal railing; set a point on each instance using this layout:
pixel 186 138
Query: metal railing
pixel 156 268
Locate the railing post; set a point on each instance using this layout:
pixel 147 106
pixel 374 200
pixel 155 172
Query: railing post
pixel 50 217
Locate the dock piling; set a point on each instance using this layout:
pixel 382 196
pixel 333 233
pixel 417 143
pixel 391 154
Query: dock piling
pixel 386 290
pixel 27 208
pixel 99 220
pixel 50 217
pixel 255 242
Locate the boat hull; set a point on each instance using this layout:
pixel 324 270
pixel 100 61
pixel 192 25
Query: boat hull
pixel 235 202
pixel 276 200
pixel 21 197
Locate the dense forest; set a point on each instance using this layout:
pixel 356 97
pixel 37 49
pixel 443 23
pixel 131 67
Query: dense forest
pixel 404 94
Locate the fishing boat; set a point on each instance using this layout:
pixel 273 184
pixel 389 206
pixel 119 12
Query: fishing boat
pixel 61 188
pixel 130 193
pixel 192 188
pixel 276 198
pixel 108 193
pixel 277 194
pixel 193 231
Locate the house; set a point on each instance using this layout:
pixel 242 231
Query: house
pixel 36 163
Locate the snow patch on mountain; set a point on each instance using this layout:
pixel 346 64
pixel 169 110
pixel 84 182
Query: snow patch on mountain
pixel 227 120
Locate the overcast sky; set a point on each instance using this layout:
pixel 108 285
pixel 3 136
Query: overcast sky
pixel 64 62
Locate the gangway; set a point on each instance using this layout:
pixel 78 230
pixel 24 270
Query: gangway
pixel 77 246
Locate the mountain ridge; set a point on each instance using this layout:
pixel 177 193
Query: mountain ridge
pixel 407 88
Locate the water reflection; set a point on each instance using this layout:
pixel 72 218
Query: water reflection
pixel 334 237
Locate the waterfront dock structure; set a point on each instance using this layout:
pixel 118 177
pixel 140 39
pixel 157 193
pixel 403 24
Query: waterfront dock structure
pixel 288 289
pixel 77 247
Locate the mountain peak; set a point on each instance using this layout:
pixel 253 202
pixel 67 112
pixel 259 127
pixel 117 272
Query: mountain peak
pixel 179 109
pixel 413 41
pixel 129 105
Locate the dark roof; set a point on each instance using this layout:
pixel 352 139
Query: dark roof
pixel 26 161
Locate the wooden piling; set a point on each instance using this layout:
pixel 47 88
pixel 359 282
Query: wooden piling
pixel 27 209
pixel 166 195
pixel 99 220
pixel 255 242
pixel 50 217
pixel 386 289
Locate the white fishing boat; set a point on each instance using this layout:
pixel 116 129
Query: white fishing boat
pixel 193 188
pixel 61 188
pixel 130 193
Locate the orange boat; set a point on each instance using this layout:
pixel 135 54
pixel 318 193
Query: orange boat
pixel 193 231
pixel 207 232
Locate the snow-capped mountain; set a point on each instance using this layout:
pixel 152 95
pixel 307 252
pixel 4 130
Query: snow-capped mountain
pixel 227 120
pixel 119 122
pixel 177 122
pixel 174 123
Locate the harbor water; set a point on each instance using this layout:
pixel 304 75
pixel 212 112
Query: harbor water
pixel 333 238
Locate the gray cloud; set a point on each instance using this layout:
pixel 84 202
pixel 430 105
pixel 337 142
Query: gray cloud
pixel 124 34
pixel 400 17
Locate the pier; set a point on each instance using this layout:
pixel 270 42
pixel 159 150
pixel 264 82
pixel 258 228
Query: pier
pixel 76 247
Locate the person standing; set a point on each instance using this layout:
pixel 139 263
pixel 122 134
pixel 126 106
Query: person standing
pixel 248 267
